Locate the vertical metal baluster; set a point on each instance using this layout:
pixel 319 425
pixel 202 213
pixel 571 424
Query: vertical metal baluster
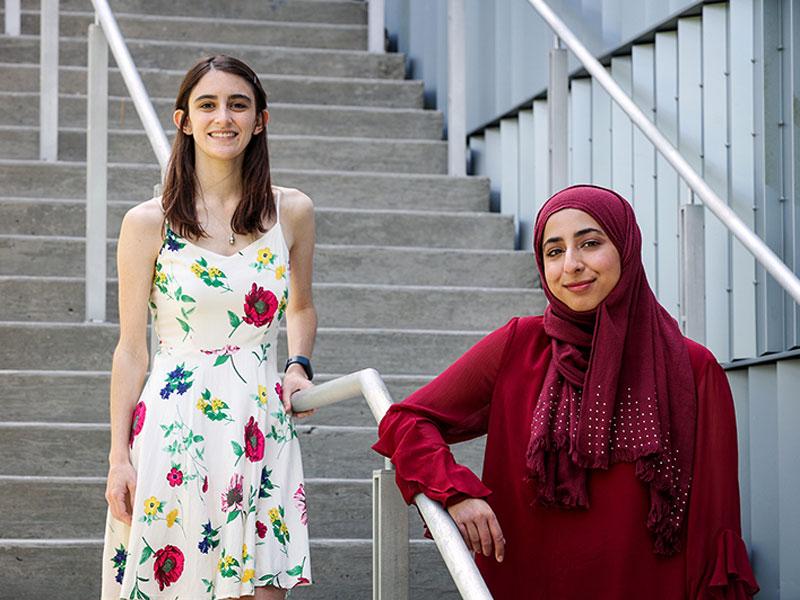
pixel 96 174
pixel 48 81
pixel 13 18
pixel 557 107
pixel 376 17
pixel 456 89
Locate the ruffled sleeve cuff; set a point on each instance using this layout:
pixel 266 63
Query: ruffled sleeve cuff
pixel 732 578
pixel 423 463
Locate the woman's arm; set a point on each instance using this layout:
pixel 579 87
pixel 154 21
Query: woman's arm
pixel 717 565
pixel 454 407
pixel 297 222
pixel 137 250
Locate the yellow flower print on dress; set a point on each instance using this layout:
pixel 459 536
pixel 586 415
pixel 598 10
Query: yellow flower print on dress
pixel 214 408
pixel 264 259
pixel 153 510
pixel 280 272
pixel 262 396
pixel 248 575
pixel 171 517
pixel 152 506
pixel 211 276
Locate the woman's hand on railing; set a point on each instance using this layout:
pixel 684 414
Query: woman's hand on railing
pixel 293 382
pixel 479 527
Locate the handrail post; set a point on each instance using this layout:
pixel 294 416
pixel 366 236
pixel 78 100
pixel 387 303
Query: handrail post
pixel 557 111
pixel 48 81
pixel 693 278
pixel 96 174
pixel 376 19
pixel 389 538
pixel 456 89
pixel 13 18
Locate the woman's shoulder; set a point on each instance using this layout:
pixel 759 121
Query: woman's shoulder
pixel 145 221
pixel 525 331
pixel 294 203
pixel 700 356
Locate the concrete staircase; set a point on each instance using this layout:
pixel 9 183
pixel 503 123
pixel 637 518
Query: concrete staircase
pixel 411 268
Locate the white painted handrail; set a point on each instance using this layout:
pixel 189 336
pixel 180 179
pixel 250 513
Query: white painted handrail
pixel 448 539
pixel 141 100
pixel 754 244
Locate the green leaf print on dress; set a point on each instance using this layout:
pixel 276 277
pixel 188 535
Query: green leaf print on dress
pixel 213 407
pixel 183 443
pixel 225 355
pixel 277 518
pixel 211 276
pixel 163 281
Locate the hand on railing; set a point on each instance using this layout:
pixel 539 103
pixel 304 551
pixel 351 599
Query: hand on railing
pixel 445 532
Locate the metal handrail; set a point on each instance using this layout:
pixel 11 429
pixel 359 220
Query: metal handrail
pixel 141 100
pixel 754 244
pixel 448 539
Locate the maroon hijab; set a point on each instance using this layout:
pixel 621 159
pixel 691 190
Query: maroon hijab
pixel 620 386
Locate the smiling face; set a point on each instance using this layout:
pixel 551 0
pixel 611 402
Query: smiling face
pixel 222 116
pixel 581 264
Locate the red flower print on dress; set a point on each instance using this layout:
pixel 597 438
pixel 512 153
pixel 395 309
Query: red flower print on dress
pixel 137 422
pixel 261 529
pixel 205 484
pixel 168 566
pixel 253 441
pixel 279 390
pixel 233 497
pixel 259 306
pixel 300 502
pixel 175 477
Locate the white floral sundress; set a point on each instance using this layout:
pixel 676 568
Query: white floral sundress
pixel 220 502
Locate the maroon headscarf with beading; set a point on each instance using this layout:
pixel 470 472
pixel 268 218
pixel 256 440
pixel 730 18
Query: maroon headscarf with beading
pixel 620 386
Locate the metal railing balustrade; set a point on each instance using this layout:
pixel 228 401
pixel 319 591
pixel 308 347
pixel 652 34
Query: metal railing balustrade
pixel 390 524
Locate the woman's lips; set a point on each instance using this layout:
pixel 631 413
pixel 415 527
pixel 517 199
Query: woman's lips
pixel 580 286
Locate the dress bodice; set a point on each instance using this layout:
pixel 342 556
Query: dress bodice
pixel 203 301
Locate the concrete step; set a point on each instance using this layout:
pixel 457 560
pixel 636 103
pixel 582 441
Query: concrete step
pixel 212 30
pixel 75 507
pixel 134 183
pixel 83 397
pixel 22 108
pixel 81 450
pixel 21 216
pixel 293 89
pixel 262 58
pixel 286 152
pixel 64 257
pixel 342 570
pixel 89 346
pixel 302 11
pixel 61 299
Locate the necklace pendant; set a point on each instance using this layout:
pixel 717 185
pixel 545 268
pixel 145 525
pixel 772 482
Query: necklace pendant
pixel 231 239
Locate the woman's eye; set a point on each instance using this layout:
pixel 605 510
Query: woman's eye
pixel 553 252
pixel 240 106
pixel 590 243
pixel 206 105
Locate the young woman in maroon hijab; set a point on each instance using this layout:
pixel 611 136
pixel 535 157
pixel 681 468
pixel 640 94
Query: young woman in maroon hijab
pixel 611 464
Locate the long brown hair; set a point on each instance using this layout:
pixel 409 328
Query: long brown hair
pixel 180 184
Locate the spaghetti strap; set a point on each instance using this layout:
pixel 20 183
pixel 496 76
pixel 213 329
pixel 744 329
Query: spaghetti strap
pixel 277 196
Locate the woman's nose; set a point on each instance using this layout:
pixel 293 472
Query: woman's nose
pixel 572 261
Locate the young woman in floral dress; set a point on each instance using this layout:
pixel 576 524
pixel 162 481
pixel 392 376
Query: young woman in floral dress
pixel 205 485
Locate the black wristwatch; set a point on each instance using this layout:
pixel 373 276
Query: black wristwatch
pixel 304 362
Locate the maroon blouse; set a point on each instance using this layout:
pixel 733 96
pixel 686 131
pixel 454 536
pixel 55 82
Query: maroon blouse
pixel 604 552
